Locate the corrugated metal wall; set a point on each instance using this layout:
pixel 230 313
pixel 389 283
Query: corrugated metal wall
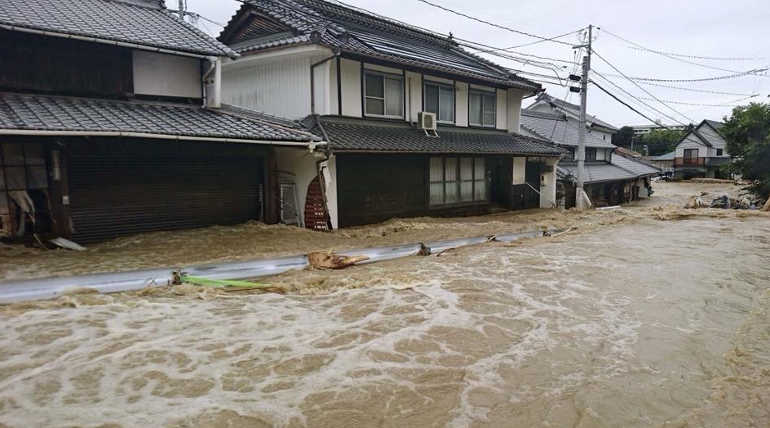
pixel 123 188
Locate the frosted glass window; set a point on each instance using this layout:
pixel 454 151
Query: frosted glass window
pixel 440 99
pixel 394 97
pixel 384 95
pixel 483 109
pixel 480 180
pixel 474 114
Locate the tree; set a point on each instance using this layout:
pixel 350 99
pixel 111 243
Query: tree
pixel 660 141
pixel 748 141
pixel 624 137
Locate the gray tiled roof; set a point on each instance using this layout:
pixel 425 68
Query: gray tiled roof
pixel 638 167
pixel 555 127
pixel 620 168
pixel 144 23
pixel 51 113
pixel 358 33
pixel 357 135
pixel 574 110
pixel 595 172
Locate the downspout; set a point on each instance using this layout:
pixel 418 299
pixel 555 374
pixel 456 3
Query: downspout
pixel 319 169
pixel 215 66
pixel 312 78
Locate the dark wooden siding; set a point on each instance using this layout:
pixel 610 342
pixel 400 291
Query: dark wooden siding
pixel 123 187
pixel 373 188
pixel 66 67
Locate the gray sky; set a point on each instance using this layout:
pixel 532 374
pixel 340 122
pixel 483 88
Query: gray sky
pixel 707 28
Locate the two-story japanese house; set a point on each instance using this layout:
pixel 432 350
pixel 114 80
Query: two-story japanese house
pixel 374 88
pixel 702 152
pixel 611 176
pixel 111 123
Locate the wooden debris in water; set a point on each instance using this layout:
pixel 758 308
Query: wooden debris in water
pixel 329 260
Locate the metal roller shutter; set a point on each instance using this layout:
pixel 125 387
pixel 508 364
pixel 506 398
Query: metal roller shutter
pixel 135 190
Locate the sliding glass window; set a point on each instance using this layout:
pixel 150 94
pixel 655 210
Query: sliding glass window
pixel 440 99
pixel 383 95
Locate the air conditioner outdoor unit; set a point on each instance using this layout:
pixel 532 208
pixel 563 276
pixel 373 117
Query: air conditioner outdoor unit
pixel 427 121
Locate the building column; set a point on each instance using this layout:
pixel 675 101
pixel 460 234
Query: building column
pixel 548 184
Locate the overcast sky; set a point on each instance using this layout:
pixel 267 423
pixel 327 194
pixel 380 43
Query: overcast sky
pixel 705 28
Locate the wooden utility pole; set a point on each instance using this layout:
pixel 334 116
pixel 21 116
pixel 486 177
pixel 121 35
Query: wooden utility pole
pixel 581 151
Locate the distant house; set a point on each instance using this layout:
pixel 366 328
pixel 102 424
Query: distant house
pixel 702 152
pixel 664 162
pixel 599 129
pixel 112 124
pixel 612 175
pixel 374 89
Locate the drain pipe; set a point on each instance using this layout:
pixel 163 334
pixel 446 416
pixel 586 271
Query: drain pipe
pixel 214 67
pixel 312 78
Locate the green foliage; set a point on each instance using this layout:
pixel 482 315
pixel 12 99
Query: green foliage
pixel 748 141
pixel 661 141
pixel 624 137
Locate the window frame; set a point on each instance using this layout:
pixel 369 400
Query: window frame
pixel 383 75
pixel 483 93
pixel 458 182
pixel 591 150
pixel 438 86
pixel 720 152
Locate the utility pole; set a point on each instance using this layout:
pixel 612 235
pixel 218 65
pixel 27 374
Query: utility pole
pixel 581 152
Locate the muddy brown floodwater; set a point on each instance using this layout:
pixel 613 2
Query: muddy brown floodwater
pixel 644 318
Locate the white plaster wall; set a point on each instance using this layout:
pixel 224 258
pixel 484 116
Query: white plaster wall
pixel 519 170
pixel 501 119
pixel 548 185
pixel 714 138
pixel 351 87
pixel 166 75
pixel 461 99
pixel 691 142
pixel 413 95
pixel 333 94
pixel 301 164
pixel 514 109
pixel 322 88
pixel 329 169
pixel 278 86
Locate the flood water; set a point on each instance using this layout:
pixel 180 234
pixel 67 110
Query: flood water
pixel 648 323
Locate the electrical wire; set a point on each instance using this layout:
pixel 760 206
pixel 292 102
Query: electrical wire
pixel 701 91
pixel 705 79
pixel 620 88
pixel 707 58
pixel 626 104
pixel 502 27
pixel 673 57
pixel 640 87
pixel 539 41
pixel 729 104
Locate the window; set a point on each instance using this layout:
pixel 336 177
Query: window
pixel 383 95
pixel 590 154
pixel 720 152
pixel 440 99
pixel 457 180
pixel 690 156
pixel 483 108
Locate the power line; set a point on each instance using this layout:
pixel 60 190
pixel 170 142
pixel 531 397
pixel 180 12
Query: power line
pixel 640 87
pixel 705 79
pixel 729 104
pixel 544 40
pixel 707 58
pixel 502 27
pixel 673 57
pixel 625 104
pixel 620 88
pixel 702 91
